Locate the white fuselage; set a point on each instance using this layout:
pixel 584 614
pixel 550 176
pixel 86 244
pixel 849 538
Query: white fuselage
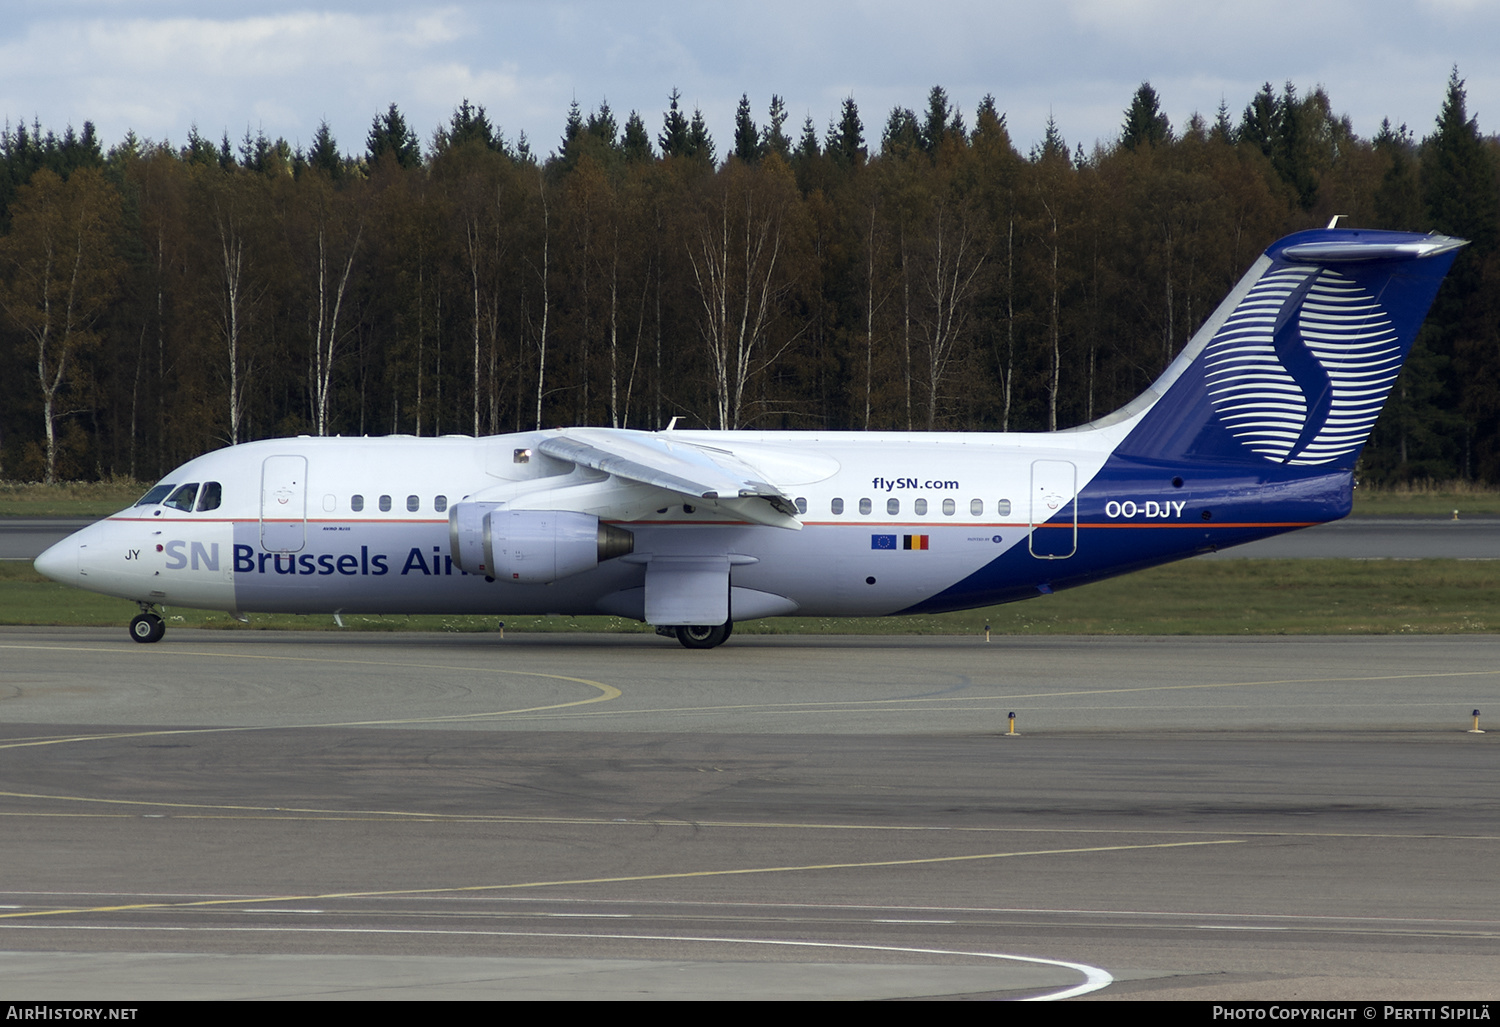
pixel 362 525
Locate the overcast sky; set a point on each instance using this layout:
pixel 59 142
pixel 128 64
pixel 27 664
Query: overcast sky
pixel 160 66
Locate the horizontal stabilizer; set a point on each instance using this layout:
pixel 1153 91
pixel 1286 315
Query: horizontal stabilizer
pixel 1359 251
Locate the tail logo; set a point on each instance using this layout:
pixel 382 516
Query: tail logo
pixel 1300 370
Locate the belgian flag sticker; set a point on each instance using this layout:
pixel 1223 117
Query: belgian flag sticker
pixel 913 541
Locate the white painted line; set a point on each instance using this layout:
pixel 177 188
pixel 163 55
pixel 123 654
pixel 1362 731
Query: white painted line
pixel 1094 978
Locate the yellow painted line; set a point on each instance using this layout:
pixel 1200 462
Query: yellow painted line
pixel 607 693
pixel 834 705
pixel 290 813
pixel 571 882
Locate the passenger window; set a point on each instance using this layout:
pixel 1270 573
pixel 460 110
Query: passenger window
pixel 1003 508
pixel 837 506
pixel 893 506
pixel 440 503
pixel 920 506
pixel 948 508
pixel 413 503
pixel 976 507
pixel 801 505
pixel 330 503
pixel 865 506
pixel 155 496
pixel 183 498
pixel 385 504
pixel 356 503
pixel 211 496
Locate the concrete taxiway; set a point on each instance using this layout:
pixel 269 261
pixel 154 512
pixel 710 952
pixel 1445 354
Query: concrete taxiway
pixel 259 814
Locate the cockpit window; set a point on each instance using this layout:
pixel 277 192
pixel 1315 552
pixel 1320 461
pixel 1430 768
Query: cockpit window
pixel 211 496
pixel 155 496
pixel 183 498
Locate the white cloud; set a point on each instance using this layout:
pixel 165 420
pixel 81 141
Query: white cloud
pixel 158 66
pixel 283 70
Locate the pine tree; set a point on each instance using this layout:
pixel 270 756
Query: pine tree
pixel 1459 188
pixel 1223 130
pixel 1398 199
pixel 1294 142
pixel 601 126
pixel 941 120
pixel 775 139
pixel 674 132
pixel 324 154
pixel 902 133
pixel 572 128
pixel 470 124
pixel 1258 123
pixel 198 149
pixel 78 151
pixel 389 134
pixel 1145 124
pixel 1458 174
pixel 846 142
pixel 1053 146
pixel 807 162
pixel 988 114
pixel 747 145
pixel 255 151
pixel 637 141
pixel 700 143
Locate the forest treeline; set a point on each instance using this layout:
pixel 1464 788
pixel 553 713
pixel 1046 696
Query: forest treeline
pixel 157 302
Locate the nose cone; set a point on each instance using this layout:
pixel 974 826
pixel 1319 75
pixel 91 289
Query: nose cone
pixel 60 563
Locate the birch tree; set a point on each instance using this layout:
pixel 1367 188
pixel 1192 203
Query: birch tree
pixel 59 271
pixel 334 234
pixel 737 251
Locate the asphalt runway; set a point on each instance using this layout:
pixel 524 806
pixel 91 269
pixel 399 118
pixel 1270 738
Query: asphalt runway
pixel 1379 538
pixel 279 815
pixel 25 538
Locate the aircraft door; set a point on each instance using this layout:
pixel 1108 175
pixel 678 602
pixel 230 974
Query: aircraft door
pixel 1054 493
pixel 283 504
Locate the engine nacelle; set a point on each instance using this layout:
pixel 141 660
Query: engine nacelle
pixel 531 546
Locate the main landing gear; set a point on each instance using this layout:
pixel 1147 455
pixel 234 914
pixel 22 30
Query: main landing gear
pixel 704 636
pixel 147 626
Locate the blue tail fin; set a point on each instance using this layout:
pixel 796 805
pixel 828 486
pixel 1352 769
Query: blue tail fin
pixel 1293 368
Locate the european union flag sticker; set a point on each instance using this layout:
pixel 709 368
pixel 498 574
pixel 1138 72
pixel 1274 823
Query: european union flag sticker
pixel 882 541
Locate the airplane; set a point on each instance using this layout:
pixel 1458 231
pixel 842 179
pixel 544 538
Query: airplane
pixel 1253 430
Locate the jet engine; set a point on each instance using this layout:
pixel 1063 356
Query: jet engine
pixel 531 546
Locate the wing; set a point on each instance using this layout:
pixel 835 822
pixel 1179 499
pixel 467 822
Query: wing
pixel 710 477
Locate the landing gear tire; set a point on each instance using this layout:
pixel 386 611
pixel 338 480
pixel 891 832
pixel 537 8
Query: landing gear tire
pixel 704 636
pixel 147 627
